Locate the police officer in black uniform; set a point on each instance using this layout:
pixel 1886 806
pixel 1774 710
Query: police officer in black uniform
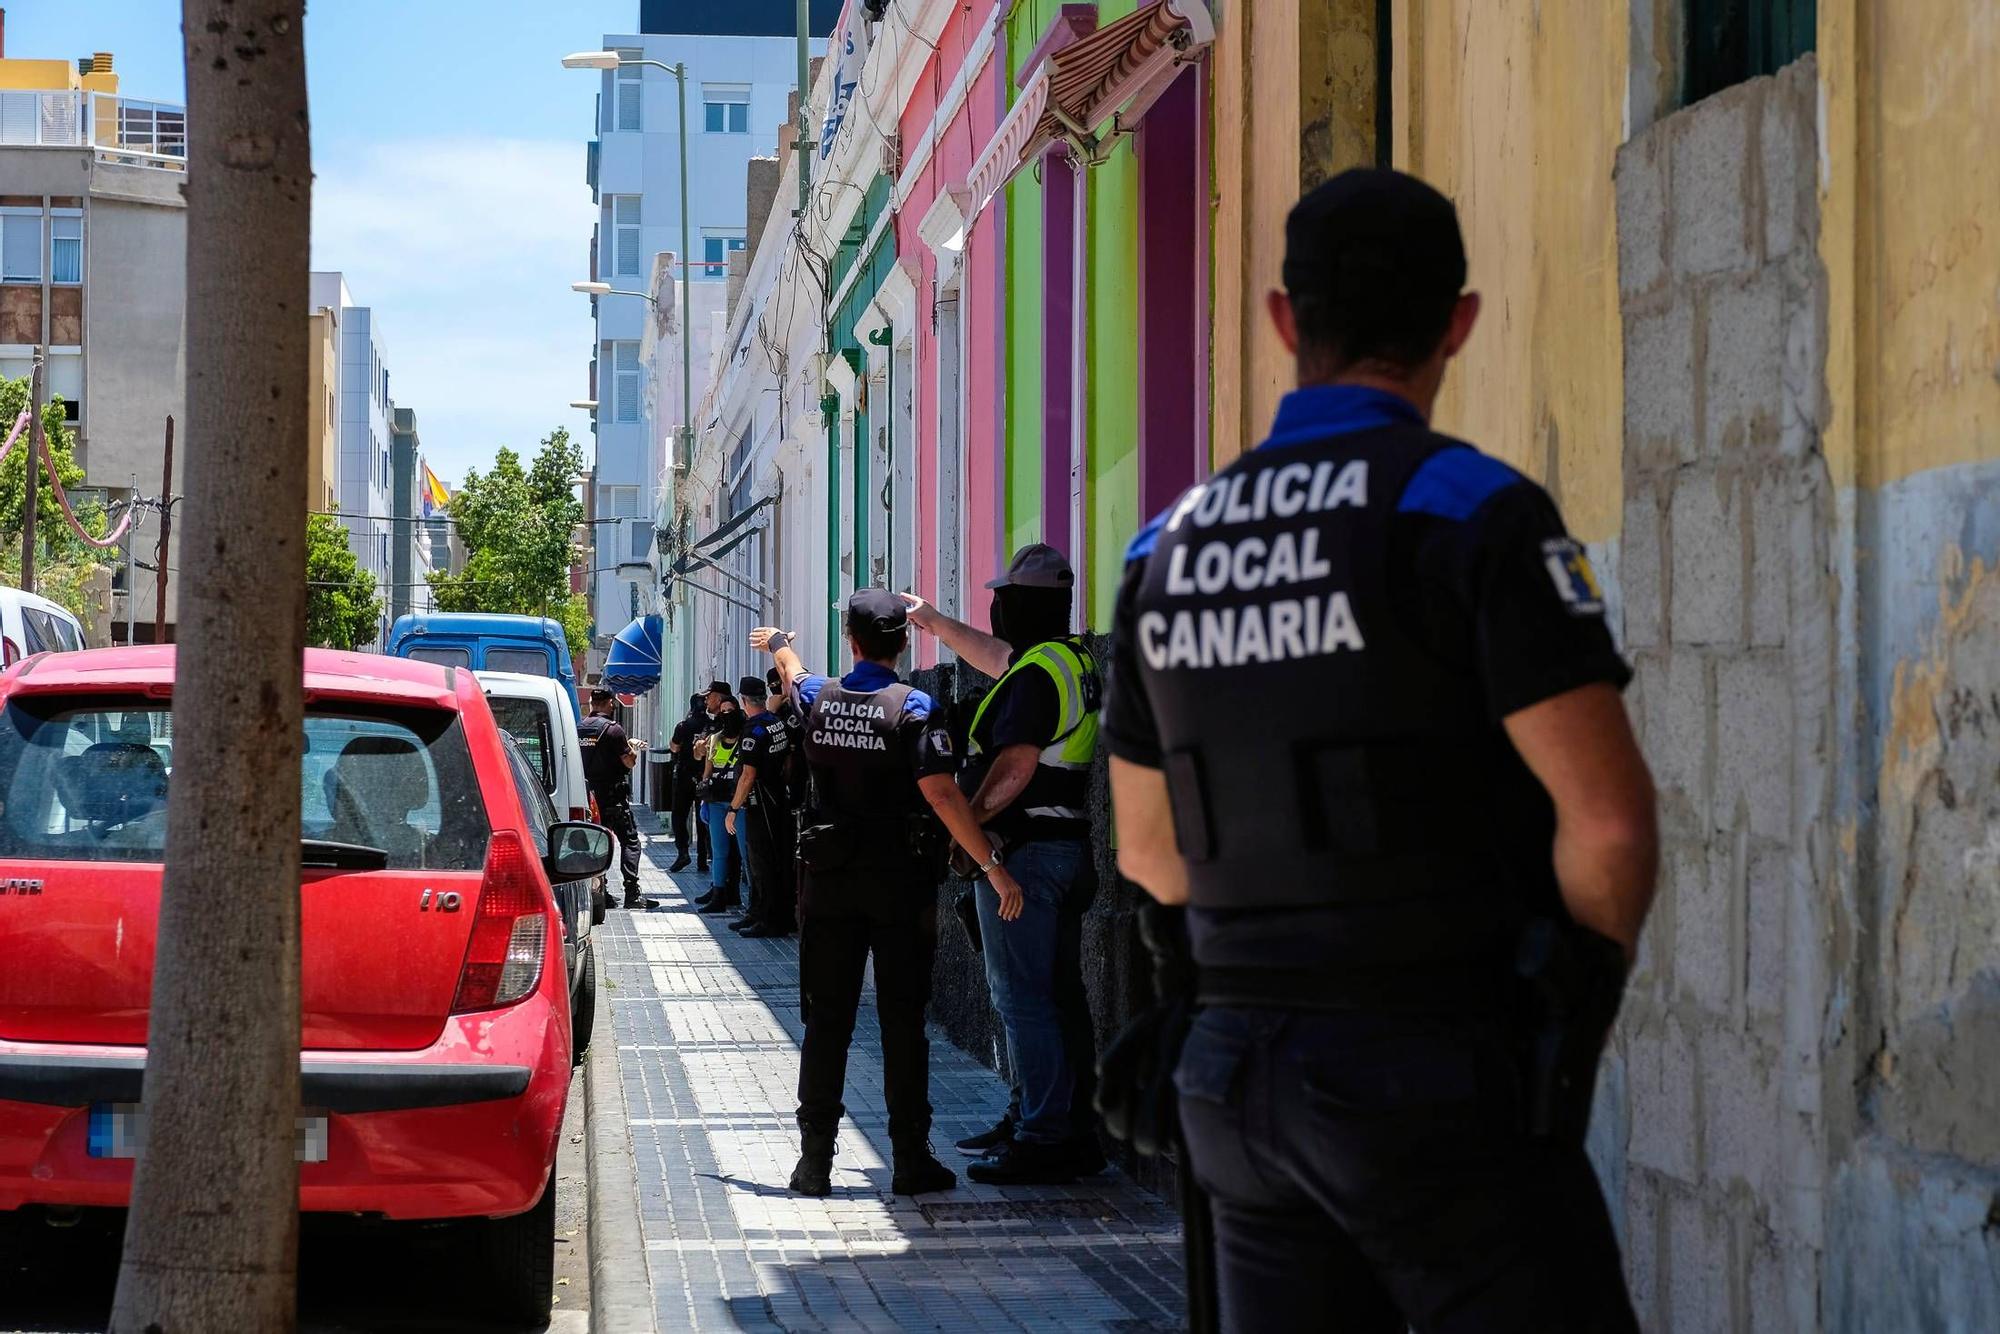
pixel 762 805
pixel 881 781
pixel 685 775
pixel 1409 908
pixel 607 770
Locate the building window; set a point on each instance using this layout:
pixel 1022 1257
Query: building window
pixel 625 374
pixel 21 247
pixel 625 231
pixel 725 110
pixel 617 502
pixel 715 252
pixel 66 248
pixel 629 92
pixel 1731 41
pixel 642 538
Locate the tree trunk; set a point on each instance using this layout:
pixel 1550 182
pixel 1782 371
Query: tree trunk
pixel 212 1241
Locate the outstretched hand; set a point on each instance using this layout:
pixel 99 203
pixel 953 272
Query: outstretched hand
pixel 922 613
pixel 760 638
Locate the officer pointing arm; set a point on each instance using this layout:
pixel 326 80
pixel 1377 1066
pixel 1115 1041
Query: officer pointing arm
pixel 939 789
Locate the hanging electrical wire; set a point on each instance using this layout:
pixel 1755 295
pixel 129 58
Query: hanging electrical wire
pixel 48 462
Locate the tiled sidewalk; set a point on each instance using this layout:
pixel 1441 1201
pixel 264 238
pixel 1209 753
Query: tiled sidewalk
pixel 708 1032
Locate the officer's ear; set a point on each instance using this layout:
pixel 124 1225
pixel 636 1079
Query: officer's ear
pixel 1464 315
pixel 1279 302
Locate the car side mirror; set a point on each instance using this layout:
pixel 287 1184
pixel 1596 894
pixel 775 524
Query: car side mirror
pixel 577 850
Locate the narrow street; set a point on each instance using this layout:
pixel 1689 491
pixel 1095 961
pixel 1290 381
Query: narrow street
pixel 352 1276
pixel 708 1030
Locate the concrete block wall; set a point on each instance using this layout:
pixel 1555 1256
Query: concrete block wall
pixel 1712 1127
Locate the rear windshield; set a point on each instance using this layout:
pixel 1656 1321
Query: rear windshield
pixel 527 721
pixel 527 661
pixel 90 784
pixel 443 657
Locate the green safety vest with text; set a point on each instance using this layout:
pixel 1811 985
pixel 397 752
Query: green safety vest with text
pixel 1070 665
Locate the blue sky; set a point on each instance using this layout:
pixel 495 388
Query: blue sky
pixel 448 156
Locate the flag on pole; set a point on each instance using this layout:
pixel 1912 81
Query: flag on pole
pixel 435 495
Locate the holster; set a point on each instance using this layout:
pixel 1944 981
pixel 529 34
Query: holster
pixel 1135 1076
pixel 827 845
pixel 1575 980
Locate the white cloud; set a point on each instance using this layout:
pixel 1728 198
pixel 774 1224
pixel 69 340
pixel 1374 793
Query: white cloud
pixel 465 248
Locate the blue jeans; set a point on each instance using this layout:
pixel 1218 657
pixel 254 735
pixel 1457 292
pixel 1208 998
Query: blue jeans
pixel 1026 964
pixel 728 857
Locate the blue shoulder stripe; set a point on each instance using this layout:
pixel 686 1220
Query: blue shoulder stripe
pixel 1454 482
pixel 917 705
pixel 1143 542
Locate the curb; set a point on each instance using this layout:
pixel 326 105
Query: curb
pixel 621 1286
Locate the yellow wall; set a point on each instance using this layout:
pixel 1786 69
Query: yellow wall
pixel 1524 139
pixel 24 75
pixel 321 446
pixel 1910 234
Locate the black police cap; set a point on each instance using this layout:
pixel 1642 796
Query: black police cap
pixel 877 609
pixel 752 687
pixel 1375 224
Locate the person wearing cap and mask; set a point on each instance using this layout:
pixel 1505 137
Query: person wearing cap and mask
pixel 881 783
pixel 760 814
pixel 608 760
pixel 685 788
pixel 727 858
pixel 1027 773
pixel 1409 908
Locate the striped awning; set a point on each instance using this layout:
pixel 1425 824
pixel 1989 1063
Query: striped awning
pixel 633 665
pixel 1110 76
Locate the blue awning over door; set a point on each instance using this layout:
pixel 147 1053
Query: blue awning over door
pixel 633 666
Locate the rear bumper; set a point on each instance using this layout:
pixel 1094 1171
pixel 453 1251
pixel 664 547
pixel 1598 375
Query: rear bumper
pixel 346 1086
pixel 466 1127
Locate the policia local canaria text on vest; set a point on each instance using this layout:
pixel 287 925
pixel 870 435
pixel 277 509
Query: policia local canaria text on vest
pixel 1409 902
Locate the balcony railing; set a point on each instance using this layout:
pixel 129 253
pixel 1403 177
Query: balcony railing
pixel 121 129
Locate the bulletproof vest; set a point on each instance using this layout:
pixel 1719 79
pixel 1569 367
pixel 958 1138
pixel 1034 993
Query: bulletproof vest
pixel 1271 593
pixel 860 768
pixel 603 767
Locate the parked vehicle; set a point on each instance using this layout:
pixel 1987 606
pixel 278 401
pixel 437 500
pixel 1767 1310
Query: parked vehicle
pixel 30 624
pixel 439 884
pixel 534 645
pixel 533 710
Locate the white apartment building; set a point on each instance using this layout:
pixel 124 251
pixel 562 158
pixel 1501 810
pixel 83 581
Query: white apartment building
pixel 741 58
pixel 361 392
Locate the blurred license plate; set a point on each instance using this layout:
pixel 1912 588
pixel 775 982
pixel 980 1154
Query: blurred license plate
pixel 118 1130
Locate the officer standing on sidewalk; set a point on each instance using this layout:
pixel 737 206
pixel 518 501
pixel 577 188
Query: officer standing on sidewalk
pixel 1410 908
pixel 608 760
pixel 1029 752
pixel 761 806
pixel 873 851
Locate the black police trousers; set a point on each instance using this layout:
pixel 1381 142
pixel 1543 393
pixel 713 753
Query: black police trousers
pixel 685 797
pixel 844 919
pixel 615 809
pixel 769 837
pixel 1368 1172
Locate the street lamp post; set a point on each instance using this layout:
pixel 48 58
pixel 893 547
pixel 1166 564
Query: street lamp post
pixel 611 60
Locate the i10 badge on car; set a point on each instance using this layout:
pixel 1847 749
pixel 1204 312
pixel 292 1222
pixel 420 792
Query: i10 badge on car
pixel 448 901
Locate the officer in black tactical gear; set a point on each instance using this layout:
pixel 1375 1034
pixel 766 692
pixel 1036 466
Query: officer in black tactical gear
pixel 1409 909
pixel 881 779
pixel 607 770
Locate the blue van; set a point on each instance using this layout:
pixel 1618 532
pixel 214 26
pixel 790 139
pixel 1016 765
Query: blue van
pixel 489 642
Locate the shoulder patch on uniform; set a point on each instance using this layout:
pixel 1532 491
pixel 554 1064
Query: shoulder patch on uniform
pixel 1454 482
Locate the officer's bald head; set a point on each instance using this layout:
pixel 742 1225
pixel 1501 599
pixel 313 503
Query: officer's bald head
pixel 1374 275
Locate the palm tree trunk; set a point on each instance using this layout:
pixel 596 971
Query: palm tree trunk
pixel 212 1241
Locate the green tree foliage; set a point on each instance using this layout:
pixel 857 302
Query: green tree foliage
pixel 341 607
pixel 517 524
pixel 63 561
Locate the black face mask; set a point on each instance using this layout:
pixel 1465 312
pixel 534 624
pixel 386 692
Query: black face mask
pixel 732 724
pixel 1025 617
pixel 996 616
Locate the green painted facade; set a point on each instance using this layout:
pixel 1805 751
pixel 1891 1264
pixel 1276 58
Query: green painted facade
pixel 1111 350
pixel 848 543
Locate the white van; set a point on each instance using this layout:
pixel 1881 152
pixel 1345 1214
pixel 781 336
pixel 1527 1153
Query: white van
pixel 30 624
pixel 538 713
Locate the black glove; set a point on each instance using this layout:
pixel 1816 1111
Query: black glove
pixel 1135 1077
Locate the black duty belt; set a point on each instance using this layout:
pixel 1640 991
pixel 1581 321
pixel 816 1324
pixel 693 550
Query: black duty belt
pixel 1322 988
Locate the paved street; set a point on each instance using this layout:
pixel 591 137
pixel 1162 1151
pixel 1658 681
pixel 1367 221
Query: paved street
pixel 707 1028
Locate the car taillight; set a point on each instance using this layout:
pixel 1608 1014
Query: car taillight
pixel 579 812
pixel 510 930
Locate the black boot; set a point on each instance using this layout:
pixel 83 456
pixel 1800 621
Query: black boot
pixel 634 899
pixel 918 1172
pixel 725 902
pixel 814 1174
pixel 680 863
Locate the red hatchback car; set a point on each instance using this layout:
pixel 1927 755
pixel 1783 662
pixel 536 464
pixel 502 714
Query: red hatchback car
pixel 446 970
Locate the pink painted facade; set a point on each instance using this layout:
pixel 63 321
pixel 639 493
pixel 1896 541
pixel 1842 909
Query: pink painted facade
pixel 957 143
